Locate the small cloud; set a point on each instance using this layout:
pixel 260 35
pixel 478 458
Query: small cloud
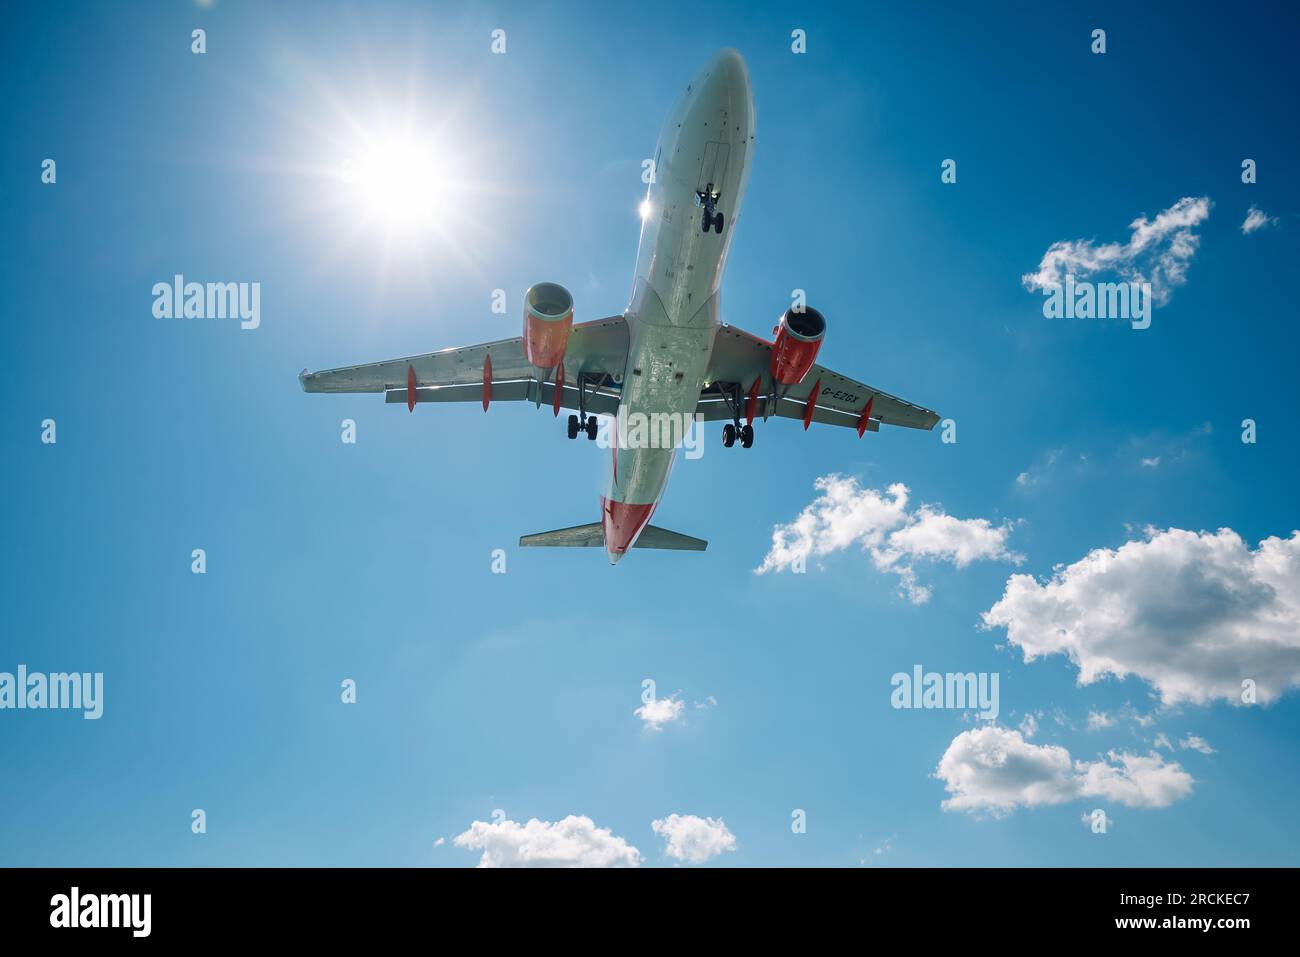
pixel 1195 743
pixel 1163 449
pixel 1062 719
pixel 439 842
pixel 1097 720
pixel 1130 713
pixel 881 524
pixel 1257 219
pixel 692 839
pixel 996 770
pixel 1162 741
pixel 1029 725
pixel 1040 471
pixel 575 841
pixel 661 711
pixel 1158 251
pixel 885 847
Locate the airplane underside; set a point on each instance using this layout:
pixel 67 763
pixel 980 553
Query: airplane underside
pixel 669 357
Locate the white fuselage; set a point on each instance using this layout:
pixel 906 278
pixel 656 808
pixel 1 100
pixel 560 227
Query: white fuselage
pixel 673 315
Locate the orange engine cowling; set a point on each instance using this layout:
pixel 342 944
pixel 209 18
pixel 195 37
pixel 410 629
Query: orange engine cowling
pixel 798 338
pixel 548 320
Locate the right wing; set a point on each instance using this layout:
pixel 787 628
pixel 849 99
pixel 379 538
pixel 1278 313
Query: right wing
pixel 458 375
pixel 739 357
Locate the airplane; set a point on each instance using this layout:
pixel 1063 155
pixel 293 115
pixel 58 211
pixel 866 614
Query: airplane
pixel 669 354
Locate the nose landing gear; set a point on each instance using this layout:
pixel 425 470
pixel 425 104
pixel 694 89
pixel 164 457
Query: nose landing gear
pixel 708 198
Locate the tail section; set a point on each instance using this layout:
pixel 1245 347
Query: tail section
pixel 593 536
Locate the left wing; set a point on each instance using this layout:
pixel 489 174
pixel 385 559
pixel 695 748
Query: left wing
pixel 740 359
pixel 491 371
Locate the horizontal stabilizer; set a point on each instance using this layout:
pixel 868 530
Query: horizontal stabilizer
pixel 593 536
pixel 652 536
pixel 579 536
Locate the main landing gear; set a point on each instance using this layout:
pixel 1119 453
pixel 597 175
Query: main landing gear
pixel 708 198
pixel 730 432
pixel 588 425
pixel 582 422
pixel 731 395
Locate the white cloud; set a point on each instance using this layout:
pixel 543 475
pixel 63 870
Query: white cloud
pixel 1195 614
pixel 1162 741
pixel 1256 219
pixel 1038 472
pixel 1029 724
pixel 1134 780
pixel 661 711
pixel 1151 463
pixel 996 770
pixel 1097 720
pixel 575 841
pixel 1195 742
pixel 845 514
pixel 1130 713
pixel 1158 251
pixel 694 839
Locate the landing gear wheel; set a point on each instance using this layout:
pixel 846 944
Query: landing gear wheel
pixel 573 426
pixel 746 436
pixel 705 222
pixel 717 224
pixel 591 427
pixel 728 435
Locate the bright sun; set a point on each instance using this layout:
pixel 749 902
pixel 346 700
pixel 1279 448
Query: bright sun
pixel 401 182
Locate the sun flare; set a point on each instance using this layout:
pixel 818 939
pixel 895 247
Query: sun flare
pixel 401 182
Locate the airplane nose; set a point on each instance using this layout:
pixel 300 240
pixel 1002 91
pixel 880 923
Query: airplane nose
pixel 729 65
pixel 727 72
pixel 723 84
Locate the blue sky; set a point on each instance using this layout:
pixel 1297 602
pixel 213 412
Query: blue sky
pixel 372 561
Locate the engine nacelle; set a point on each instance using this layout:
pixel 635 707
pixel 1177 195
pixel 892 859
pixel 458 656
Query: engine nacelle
pixel 798 338
pixel 548 320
